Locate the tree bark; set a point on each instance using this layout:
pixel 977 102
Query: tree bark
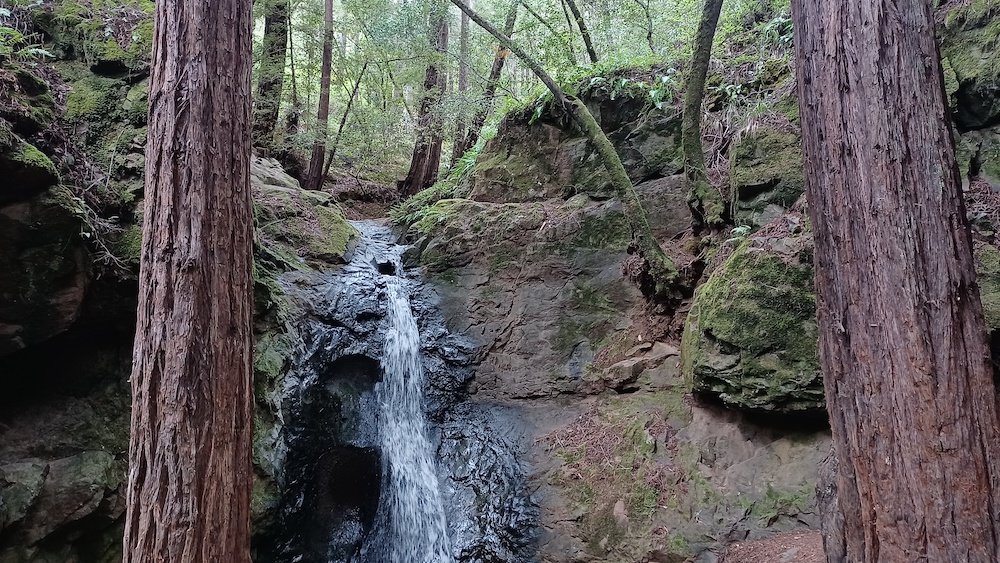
pixel 591 52
pixel 190 472
pixel 463 86
pixel 705 202
pixel 272 72
pixel 663 275
pixel 426 158
pixel 314 176
pixel 903 344
pixel 490 92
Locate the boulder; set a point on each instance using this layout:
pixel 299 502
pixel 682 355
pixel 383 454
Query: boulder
pixel 536 156
pixel 46 268
pixel 751 338
pixel 765 175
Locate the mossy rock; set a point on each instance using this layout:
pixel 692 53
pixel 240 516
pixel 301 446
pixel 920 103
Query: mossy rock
pixel 988 269
pixel 970 41
pixel 766 175
pixel 25 169
pixel 112 38
pixel 299 226
pixel 534 159
pixel 43 295
pixel 26 102
pixel 751 336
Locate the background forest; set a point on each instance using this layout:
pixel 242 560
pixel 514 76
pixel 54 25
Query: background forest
pixel 630 420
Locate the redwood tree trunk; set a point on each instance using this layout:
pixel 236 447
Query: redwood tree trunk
pixel 902 339
pixel 272 72
pixel 314 176
pixel 426 158
pixel 189 479
pixel 706 203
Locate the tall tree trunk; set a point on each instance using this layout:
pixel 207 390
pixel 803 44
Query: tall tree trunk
pixel 906 365
pixel 426 158
pixel 272 72
pixel 705 202
pixel 463 85
pixel 492 81
pixel 591 52
pixel 314 176
pixel 662 277
pixel 189 479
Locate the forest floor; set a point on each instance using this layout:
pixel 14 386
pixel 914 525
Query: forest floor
pixel 786 547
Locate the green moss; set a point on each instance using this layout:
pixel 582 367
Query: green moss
pixel 127 246
pixel 438 214
pixel 602 531
pixel 987 259
pixel 92 99
pixel 31 157
pixel 751 338
pixel 765 170
pixel 609 231
pixel 336 234
pixel 971 44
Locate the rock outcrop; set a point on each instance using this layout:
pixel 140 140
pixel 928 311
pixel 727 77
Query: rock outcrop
pixel 751 338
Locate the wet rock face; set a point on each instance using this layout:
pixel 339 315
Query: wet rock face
pixel 334 473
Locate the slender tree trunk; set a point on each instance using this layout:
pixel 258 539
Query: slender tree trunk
pixel 569 26
pixel 463 85
pixel 662 278
pixel 644 4
pixel 427 151
pixel 190 472
pixel 705 202
pixel 906 363
pixel 490 92
pixel 570 53
pixel 272 72
pixel 314 176
pixel 343 119
pixel 591 52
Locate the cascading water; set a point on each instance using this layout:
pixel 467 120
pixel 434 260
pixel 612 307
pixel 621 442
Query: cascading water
pixel 418 528
pixel 383 441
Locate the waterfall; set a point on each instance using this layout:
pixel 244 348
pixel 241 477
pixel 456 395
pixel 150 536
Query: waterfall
pixel 368 478
pixel 417 526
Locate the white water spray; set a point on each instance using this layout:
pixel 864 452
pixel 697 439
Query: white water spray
pixel 418 529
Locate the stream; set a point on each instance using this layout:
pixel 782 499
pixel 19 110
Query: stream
pixel 388 459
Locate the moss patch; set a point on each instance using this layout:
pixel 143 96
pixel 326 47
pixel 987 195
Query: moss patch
pixel 766 175
pixel 751 336
pixel 971 43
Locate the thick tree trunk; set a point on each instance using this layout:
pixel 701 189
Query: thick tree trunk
pixel 587 42
pixel 314 176
pixel 906 364
pixel 463 86
pixel 272 72
pixel 705 202
pixel 426 158
pixel 190 472
pixel 662 275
